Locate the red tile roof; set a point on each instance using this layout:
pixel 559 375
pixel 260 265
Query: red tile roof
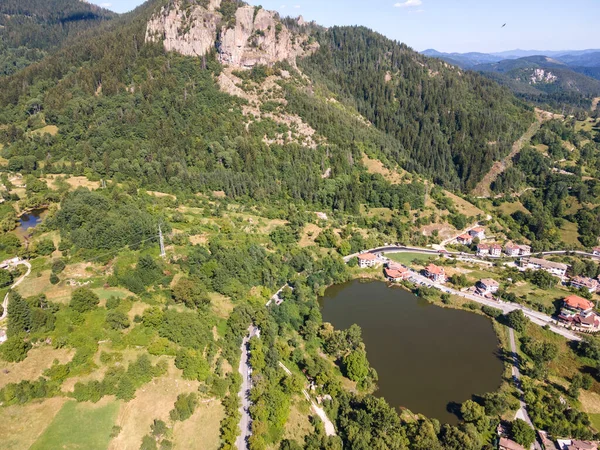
pixel 367 257
pixel 478 230
pixel 396 273
pixel 435 270
pixel 574 301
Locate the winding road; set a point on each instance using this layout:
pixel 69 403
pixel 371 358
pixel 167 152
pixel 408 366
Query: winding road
pixel 16 283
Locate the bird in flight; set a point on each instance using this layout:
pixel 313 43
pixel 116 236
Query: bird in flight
pixel 503 26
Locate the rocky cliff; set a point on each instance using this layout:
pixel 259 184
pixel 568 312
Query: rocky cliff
pixel 251 36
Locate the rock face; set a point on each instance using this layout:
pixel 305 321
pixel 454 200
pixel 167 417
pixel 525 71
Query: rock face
pixel 191 32
pixel 258 37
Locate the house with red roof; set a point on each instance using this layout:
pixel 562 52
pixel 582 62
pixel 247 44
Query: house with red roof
pixel 396 273
pixel 367 260
pixel 512 249
pixel 495 250
pixel 477 232
pixel 464 239
pixel 483 249
pixel 435 273
pixel 579 312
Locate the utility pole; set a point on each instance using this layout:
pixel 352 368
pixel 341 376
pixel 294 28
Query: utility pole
pixel 161 239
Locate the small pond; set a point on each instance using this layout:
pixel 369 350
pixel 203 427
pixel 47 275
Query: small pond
pixel 30 219
pixel 427 358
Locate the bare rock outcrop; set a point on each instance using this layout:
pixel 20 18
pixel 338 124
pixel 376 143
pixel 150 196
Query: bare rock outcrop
pixel 256 36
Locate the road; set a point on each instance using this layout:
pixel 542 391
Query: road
pixel 16 283
pixel 535 316
pixel 246 372
pixel 522 412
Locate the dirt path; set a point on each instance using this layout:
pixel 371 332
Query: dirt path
pixel 483 188
pixel 18 282
pixel 595 103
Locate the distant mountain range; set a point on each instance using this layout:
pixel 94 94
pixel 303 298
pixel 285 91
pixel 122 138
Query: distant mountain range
pixel 538 75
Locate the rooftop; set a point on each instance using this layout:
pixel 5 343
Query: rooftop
pixel 574 301
pixel 489 282
pixel 510 445
pixel 549 264
pixel 367 257
pixel 433 269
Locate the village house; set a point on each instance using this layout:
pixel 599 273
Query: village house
pixel 367 260
pixel 464 239
pixel 435 273
pixel 579 312
pixel 580 282
pixel 554 268
pixel 477 232
pixel 596 251
pixel 525 249
pixel 495 250
pixel 487 285
pixel 396 272
pixel 575 444
pixel 483 249
pixel 512 249
pixel 507 444
pixel 516 250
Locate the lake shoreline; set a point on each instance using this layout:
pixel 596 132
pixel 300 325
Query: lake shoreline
pixel 499 337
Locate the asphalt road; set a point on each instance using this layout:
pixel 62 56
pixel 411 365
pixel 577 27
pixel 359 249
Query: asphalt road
pixel 522 412
pixel 535 316
pixel 246 372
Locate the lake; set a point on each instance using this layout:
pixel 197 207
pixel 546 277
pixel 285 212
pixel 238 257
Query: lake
pixel 30 219
pixel 426 357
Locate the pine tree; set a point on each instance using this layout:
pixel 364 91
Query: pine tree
pixel 19 315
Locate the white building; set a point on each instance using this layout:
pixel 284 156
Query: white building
pixel 554 268
pixel 477 232
pixel 487 285
pixel 586 283
pixel 495 250
pixel 596 251
pixel 367 260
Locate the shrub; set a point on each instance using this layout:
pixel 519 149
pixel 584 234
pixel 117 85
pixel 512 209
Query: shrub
pixel 84 300
pixel 15 349
pixel 491 311
pixel 184 407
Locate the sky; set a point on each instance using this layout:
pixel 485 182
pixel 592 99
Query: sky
pixel 450 25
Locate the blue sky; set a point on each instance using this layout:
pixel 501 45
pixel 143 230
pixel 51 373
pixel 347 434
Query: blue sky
pixel 459 25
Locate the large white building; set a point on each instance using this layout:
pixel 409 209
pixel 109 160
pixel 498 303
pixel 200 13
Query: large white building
pixel 554 268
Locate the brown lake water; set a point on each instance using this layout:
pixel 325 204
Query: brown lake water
pixel 427 357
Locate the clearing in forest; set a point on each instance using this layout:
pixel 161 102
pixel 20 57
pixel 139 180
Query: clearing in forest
pixel 483 188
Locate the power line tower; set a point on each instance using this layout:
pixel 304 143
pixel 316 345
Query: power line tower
pixel 161 239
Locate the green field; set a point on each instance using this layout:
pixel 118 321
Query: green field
pixel 595 419
pixel 407 258
pixel 80 426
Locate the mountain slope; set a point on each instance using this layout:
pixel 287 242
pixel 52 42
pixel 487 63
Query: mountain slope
pixel 29 29
pixel 450 124
pixel 134 100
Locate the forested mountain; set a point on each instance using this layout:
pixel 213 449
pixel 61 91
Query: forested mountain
pixel 29 29
pixel 127 108
pixel 451 124
pixel 556 79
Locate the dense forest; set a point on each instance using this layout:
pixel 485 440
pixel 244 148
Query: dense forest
pixel 29 30
pixel 451 126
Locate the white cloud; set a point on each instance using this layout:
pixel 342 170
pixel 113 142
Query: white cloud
pixel 408 4
pixel 106 5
